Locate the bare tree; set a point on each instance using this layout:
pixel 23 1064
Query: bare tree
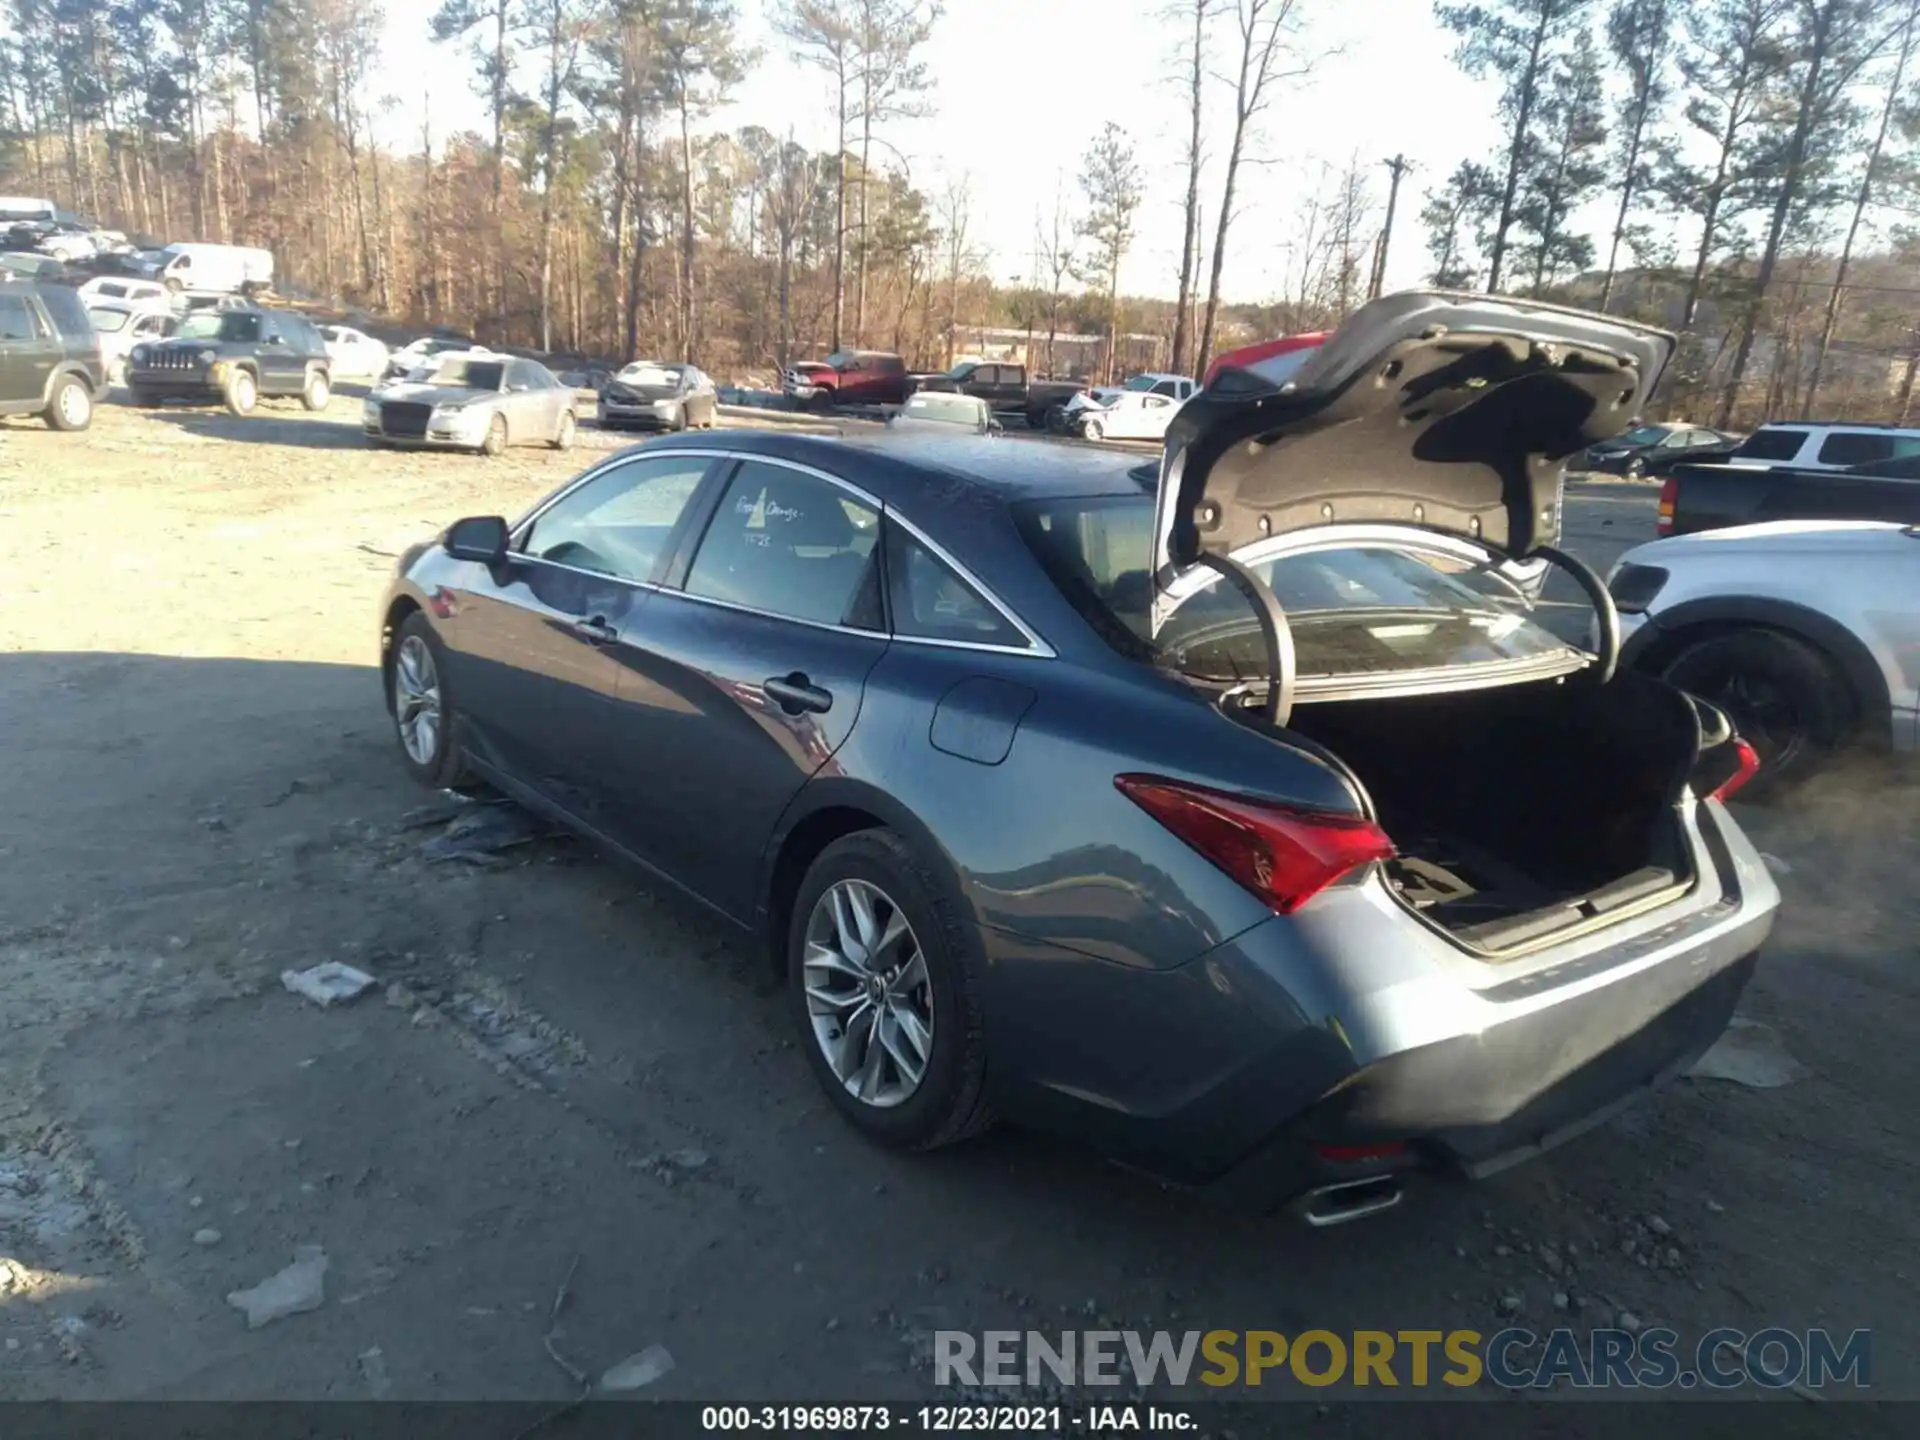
pixel 1869 175
pixel 1639 33
pixel 698 66
pixel 1053 246
pixel 1194 60
pixel 1832 42
pixel 892 85
pixel 1517 40
pixel 1266 50
pixel 1110 180
pixel 955 219
pixel 825 34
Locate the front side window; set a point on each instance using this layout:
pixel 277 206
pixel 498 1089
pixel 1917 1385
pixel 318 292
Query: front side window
pixel 621 522
pixel 931 602
pixel 1371 610
pixel 790 544
pixel 1139 382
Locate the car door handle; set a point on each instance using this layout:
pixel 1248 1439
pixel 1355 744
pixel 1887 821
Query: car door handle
pixel 595 630
pixel 797 694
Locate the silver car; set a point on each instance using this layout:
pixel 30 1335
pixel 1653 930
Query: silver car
pixel 471 401
pixel 1804 631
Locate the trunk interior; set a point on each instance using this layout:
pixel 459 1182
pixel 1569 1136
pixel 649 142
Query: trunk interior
pixel 1524 810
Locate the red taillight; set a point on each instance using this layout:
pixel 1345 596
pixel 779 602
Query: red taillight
pixel 1359 1154
pixel 1748 768
pixel 1282 855
pixel 1663 520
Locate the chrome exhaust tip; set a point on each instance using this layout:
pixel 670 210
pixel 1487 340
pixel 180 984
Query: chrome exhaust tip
pixel 1348 1200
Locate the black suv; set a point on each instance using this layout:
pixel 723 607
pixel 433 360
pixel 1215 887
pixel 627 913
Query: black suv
pixel 234 356
pixel 50 362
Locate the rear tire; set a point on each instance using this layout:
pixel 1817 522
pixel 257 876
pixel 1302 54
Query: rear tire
pixel 679 420
pixel 496 442
pixel 70 407
pixel 317 391
pixel 1784 697
pixel 947 1102
pixel 242 393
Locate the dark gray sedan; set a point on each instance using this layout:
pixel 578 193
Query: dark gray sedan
pixel 1235 817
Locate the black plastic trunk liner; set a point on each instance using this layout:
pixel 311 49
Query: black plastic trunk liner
pixel 1456 884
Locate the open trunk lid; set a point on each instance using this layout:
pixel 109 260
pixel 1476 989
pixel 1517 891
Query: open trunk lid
pixel 1449 411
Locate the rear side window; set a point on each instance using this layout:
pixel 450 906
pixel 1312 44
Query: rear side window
pixel 931 602
pixel 1864 447
pixel 789 544
pixel 1772 445
pixel 16 319
pixel 69 312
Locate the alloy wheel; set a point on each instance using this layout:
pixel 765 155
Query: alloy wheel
pixel 416 700
pixel 869 995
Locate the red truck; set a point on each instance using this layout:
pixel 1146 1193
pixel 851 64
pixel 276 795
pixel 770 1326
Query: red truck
pixel 848 377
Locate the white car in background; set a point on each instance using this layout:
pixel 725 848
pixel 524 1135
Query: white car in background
pixel 121 290
pixel 1806 632
pixel 1141 409
pixel 122 324
pixel 424 351
pixel 354 352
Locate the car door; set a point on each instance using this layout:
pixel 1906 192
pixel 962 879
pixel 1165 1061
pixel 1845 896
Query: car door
pixel 280 365
pixel 28 351
pixel 703 402
pixel 1148 420
pixel 531 648
pixel 525 406
pixel 745 674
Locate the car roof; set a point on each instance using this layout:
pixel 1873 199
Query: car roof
pixel 896 466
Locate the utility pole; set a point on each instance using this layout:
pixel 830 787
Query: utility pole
pixel 1399 165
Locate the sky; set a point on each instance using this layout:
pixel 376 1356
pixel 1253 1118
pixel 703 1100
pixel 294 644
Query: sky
pixel 1020 88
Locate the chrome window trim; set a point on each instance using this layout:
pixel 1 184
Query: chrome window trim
pixel 1036 648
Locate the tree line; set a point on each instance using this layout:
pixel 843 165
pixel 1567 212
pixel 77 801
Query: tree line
pixel 1757 163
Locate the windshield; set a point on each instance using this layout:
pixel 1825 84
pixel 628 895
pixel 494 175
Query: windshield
pixel 464 374
pixel 108 322
pixel 1369 609
pixel 218 325
pixel 650 375
pixel 947 409
pixel 1141 382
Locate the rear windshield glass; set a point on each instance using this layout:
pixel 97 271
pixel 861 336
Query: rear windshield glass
pixel 109 322
pixel 1362 610
pixel 1772 445
pixel 951 409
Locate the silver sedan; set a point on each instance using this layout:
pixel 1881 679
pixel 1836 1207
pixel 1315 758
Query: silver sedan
pixel 468 401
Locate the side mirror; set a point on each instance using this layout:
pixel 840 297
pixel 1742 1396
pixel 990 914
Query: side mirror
pixel 478 537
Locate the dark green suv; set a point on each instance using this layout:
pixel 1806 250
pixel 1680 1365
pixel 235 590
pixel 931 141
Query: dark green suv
pixel 50 362
pixel 235 356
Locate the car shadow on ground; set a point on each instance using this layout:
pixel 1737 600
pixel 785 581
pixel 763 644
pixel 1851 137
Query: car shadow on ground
pixel 268 425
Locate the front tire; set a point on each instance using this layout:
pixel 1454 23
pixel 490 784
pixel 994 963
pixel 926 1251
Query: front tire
pixel 142 399
pixel 317 391
pixel 242 393
pixel 563 439
pixel 883 980
pixel 1093 430
pixel 1783 696
pixel 70 407
pixel 424 720
pixel 495 444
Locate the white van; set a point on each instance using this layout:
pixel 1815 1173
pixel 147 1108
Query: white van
pixel 19 209
pixel 213 269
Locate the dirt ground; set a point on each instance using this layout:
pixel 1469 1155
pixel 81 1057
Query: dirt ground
pixel 573 1076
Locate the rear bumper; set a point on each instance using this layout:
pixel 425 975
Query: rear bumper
pixel 1349 1025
